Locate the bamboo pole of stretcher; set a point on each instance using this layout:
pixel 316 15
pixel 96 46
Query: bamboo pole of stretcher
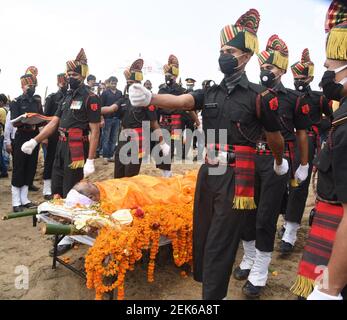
pixel 61 229
pixel 14 215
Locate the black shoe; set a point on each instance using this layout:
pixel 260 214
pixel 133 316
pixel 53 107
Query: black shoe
pixel 30 205
pixel 4 175
pixel 286 248
pixel 240 274
pixel 61 250
pixel 33 188
pixel 281 232
pixel 48 197
pixel 17 209
pixel 251 291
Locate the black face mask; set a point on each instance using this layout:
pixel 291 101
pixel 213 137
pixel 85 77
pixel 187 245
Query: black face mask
pixel 331 89
pixel 228 64
pixel 267 78
pixel 63 89
pixel 300 85
pixel 74 83
pixel 30 92
pixel 169 81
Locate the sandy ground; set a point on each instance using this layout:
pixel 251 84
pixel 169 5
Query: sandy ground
pixel 23 245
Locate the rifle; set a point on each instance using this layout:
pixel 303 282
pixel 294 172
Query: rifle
pixel 44 100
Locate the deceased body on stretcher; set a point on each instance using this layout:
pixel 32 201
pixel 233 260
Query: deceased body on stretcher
pixel 113 203
pixel 130 215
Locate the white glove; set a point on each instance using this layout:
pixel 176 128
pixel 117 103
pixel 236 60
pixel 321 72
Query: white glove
pixel 29 146
pixel 319 295
pixel 301 173
pixel 139 96
pixel 281 169
pixel 165 148
pixel 88 168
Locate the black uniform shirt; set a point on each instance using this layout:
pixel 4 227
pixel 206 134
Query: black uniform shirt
pixel 132 117
pixel 24 104
pixel 318 105
pixel 108 98
pixel 175 90
pixel 221 110
pixel 52 103
pixel 332 163
pixel 292 111
pixel 78 109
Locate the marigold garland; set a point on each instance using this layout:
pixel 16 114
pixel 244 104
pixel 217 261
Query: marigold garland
pixel 116 252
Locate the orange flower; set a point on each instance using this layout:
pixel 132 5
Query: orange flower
pixel 116 252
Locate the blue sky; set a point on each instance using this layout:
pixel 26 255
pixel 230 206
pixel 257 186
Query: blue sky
pixel 113 33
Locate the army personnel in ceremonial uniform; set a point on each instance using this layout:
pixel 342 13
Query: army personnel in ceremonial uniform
pixel 259 234
pixel 24 166
pixel 171 120
pixel 225 197
pixel 132 120
pixel 51 106
pixel 317 104
pixel 327 242
pixel 77 117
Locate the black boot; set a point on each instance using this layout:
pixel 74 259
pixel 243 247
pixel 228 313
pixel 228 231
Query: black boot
pixel 286 248
pixel 17 209
pixel 30 205
pixel 33 188
pixel 251 291
pixel 240 274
